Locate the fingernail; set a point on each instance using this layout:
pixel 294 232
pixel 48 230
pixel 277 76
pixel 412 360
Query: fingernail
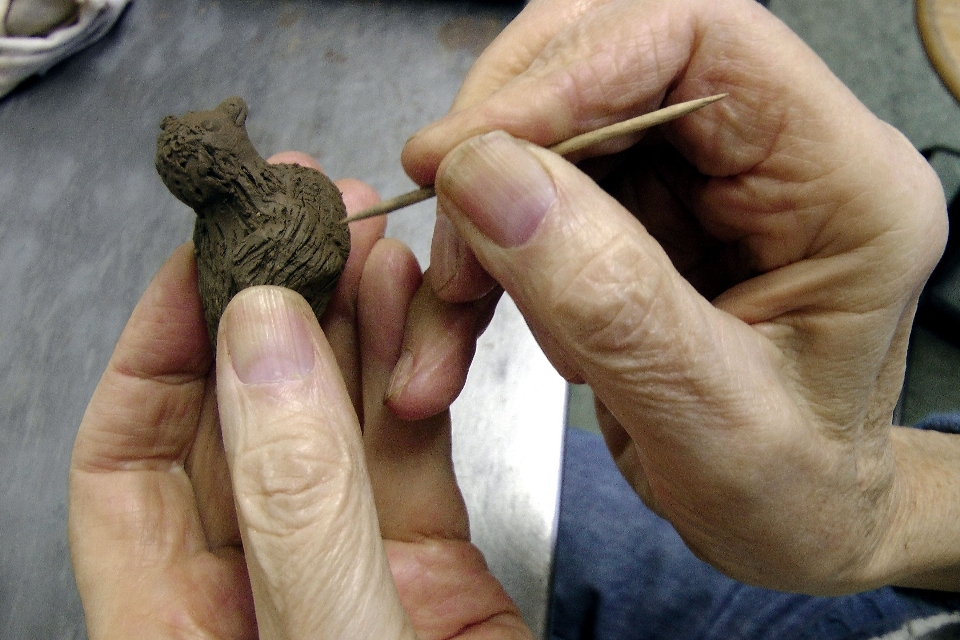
pixel 401 375
pixel 501 186
pixel 445 252
pixel 267 336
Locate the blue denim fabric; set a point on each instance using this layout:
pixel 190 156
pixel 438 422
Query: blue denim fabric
pixel 622 573
pixel 946 422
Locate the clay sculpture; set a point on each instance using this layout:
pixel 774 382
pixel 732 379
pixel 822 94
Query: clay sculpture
pixel 257 223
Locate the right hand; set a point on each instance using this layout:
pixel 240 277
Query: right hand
pixel 740 306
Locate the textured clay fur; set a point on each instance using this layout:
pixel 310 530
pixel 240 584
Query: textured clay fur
pixel 257 223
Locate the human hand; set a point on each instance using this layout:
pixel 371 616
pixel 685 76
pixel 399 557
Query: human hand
pixel 336 533
pixel 739 295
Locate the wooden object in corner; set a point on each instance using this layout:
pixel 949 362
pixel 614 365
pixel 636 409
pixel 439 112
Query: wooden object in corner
pixel 939 24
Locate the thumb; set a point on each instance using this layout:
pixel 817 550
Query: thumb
pixel 307 517
pixel 600 292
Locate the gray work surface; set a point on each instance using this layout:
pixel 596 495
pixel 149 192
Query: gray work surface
pixel 85 223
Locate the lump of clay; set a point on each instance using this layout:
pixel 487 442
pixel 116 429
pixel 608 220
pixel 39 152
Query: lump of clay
pixel 257 223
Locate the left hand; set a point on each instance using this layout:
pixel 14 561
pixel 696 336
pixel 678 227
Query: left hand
pixel 337 533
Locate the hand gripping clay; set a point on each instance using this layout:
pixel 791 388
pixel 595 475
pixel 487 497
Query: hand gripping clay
pixel 257 223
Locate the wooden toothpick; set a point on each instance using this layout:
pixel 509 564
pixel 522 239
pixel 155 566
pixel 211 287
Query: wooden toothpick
pixel 576 143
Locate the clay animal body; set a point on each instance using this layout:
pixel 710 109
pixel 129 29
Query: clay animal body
pixel 257 223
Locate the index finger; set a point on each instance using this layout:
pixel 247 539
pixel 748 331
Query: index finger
pixel 511 53
pixel 155 381
pixel 609 61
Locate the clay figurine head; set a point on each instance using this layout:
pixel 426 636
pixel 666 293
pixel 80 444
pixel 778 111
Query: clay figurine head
pixel 200 154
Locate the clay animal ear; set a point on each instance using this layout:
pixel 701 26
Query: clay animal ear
pixel 236 109
pixel 166 122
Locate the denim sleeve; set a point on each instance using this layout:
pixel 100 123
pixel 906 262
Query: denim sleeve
pixel 623 573
pixel 945 422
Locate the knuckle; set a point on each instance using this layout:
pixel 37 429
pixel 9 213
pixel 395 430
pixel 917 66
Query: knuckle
pixel 606 64
pixel 930 225
pixel 606 303
pixel 916 209
pixel 625 312
pixel 297 479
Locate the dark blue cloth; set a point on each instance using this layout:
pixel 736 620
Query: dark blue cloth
pixel 946 422
pixel 622 573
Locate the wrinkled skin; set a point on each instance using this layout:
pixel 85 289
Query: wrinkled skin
pixel 738 297
pixel 738 294
pixel 294 524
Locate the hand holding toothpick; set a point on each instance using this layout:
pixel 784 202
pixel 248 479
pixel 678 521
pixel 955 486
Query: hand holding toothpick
pixel 577 143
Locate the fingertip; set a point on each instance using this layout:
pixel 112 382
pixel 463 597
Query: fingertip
pixel 455 274
pixel 357 196
pixel 438 346
pixel 425 394
pixel 390 280
pixel 364 235
pixel 421 156
pixel 391 264
pixel 295 157
pixel 500 184
pixel 266 334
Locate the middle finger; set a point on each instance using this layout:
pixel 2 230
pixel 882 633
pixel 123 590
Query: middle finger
pixel 410 462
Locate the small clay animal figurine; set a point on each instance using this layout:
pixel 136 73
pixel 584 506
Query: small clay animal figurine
pixel 257 223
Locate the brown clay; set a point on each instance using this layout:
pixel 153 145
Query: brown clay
pixel 257 223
